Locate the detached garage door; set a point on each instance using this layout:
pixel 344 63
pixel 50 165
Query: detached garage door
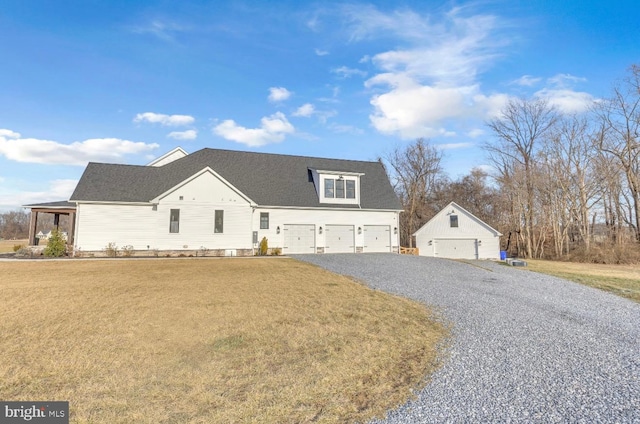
pixel 456 248
pixel 377 238
pixel 339 239
pixel 299 239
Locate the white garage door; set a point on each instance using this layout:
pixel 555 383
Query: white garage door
pixel 299 239
pixel 456 248
pixel 377 238
pixel 339 239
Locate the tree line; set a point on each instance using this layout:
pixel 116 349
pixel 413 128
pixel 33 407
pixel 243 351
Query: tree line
pixel 560 186
pixel 14 225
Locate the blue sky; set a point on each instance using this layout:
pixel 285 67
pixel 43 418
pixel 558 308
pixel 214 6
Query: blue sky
pixel 127 81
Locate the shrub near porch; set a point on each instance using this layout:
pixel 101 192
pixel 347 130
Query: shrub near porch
pixel 209 340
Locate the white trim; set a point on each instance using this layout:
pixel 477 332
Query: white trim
pixel 107 202
pixel 313 208
pixel 196 175
pixel 348 173
pixel 177 149
pixel 454 205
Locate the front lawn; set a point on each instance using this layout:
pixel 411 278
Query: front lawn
pixel 209 341
pixel 623 280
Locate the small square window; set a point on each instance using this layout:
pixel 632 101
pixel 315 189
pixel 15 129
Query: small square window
pixel 453 221
pixel 218 224
pixel 264 220
pixel 328 187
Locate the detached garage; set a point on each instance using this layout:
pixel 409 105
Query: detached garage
pixel 456 233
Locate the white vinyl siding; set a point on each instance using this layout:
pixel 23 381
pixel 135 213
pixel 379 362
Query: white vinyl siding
pixel 471 239
pixel 356 218
pixel 145 228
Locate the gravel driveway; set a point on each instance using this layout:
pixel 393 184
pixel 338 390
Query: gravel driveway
pixel 526 347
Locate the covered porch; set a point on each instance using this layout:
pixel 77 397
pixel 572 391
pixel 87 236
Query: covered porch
pixel 61 208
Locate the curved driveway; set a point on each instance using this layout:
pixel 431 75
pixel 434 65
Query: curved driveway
pixel 525 347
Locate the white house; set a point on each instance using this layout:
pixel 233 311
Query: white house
pixel 227 201
pixel 457 234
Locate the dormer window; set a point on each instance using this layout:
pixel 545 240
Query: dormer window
pixel 338 187
pixel 351 189
pixel 328 188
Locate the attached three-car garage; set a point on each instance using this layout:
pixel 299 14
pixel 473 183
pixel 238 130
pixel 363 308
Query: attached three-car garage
pixel 336 238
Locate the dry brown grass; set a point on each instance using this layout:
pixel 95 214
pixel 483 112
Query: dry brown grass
pixel 204 341
pixel 623 280
pixel 6 246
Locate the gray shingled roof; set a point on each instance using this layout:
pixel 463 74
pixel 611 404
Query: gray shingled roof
pixel 58 204
pixel 267 179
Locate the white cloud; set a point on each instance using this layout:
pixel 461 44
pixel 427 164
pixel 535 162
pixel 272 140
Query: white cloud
pixel 345 129
pixel 564 80
pixel 273 129
pixel 164 30
pixel 412 110
pixel 164 120
pixel 475 133
pixel 321 52
pixel 430 81
pixel 451 146
pixel 365 59
pixel 55 190
pixel 306 110
pixel 9 134
pixel 526 80
pixel 183 135
pixel 561 94
pixel 32 150
pixel 345 72
pixel 566 100
pixel 278 94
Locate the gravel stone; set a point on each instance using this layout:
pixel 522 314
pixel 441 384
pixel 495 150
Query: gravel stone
pixel 525 347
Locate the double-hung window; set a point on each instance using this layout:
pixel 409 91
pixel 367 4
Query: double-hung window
pixel 351 189
pixel 264 220
pixel 174 221
pixel 328 187
pixel 218 222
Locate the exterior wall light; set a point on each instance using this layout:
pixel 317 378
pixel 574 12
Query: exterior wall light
pixel 395 230
pixel 320 230
pixel 359 230
pixel 278 229
pixel 479 242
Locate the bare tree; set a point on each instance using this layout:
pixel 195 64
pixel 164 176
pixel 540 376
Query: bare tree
pixel 519 130
pixel 415 170
pixel 620 137
pixel 14 225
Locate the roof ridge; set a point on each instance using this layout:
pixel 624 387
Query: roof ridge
pixel 281 154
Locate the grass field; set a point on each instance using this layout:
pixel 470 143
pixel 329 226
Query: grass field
pixel 6 246
pixel 208 341
pixel 623 280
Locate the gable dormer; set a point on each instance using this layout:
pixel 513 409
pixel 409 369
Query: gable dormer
pixel 175 154
pixel 337 187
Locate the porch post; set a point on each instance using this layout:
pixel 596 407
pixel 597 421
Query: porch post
pixel 72 229
pixel 32 228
